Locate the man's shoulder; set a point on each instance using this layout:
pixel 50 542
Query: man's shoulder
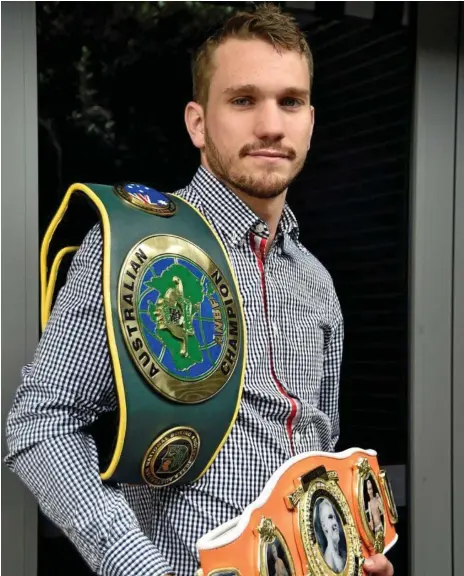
pixel 188 194
pixel 314 265
pixel 94 235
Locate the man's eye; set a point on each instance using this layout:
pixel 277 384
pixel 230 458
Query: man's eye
pixel 291 102
pixel 242 101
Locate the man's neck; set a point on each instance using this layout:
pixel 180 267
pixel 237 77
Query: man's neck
pixel 268 209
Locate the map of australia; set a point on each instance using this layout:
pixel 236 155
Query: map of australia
pixel 174 311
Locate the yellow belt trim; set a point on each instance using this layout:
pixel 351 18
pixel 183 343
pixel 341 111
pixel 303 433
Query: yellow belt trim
pixel 47 305
pixel 47 296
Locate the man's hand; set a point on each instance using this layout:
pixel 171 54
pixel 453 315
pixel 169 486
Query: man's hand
pixel 378 564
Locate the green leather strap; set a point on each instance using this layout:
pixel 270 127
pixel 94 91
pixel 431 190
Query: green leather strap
pixel 176 334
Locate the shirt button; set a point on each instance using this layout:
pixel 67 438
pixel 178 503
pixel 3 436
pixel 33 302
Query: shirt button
pixel 297 437
pixel 275 327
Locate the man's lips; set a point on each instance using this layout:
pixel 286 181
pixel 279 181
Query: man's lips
pixel 268 154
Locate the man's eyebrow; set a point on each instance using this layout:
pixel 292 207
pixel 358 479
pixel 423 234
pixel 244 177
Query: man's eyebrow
pixel 293 91
pixel 248 88
pixel 253 89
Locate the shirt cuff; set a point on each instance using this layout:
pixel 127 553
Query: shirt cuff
pixel 134 555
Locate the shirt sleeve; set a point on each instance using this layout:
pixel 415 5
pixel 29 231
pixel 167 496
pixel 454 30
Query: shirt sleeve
pixel 333 352
pixel 65 388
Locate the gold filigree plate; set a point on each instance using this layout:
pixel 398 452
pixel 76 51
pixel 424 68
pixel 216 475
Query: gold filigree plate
pixel 330 539
pixel 219 572
pixel 224 572
pixel 273 550
pixel 371 505
pixel 179 317
pixel 387 489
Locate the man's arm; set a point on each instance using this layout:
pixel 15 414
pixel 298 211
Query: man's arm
pixel 64 389
pixel 333 352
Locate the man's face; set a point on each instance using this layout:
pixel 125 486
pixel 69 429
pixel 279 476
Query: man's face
pixel 258 120
pixel 329 522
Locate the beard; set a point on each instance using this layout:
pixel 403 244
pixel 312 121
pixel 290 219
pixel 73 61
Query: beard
pixel 267 185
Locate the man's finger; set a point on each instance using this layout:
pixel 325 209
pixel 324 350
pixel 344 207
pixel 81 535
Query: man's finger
pixel 378 564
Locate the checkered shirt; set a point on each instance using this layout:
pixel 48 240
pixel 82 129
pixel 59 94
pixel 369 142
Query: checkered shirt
pixel 289 404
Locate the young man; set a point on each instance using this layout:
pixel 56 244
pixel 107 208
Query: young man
pixel 252 121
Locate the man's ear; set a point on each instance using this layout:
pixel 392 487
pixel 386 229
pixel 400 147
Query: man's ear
pixel 195 122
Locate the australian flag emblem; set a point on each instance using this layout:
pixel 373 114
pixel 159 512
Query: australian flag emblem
pixel 147 195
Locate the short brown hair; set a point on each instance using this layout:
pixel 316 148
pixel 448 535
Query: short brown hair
pixel 266 22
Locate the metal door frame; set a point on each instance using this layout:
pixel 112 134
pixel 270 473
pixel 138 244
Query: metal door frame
pixel 20 278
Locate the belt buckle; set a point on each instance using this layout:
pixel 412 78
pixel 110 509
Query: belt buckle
pixel 320 514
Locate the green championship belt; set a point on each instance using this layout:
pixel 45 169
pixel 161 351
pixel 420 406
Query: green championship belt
pixel 175 331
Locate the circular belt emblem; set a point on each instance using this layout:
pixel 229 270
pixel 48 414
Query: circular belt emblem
pixel 179 318
pixel 146 199
pixel 170 456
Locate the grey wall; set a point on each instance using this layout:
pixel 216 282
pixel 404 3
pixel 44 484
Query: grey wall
pixel 437 281
pixel 20 311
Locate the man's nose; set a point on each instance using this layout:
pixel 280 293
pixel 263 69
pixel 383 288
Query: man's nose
pixel 269 121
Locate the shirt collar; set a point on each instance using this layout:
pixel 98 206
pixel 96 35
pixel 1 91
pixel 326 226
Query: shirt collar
pixel 288 223
pixel 231 215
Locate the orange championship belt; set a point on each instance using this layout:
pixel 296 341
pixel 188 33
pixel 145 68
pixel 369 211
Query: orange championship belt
pixel 320 514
